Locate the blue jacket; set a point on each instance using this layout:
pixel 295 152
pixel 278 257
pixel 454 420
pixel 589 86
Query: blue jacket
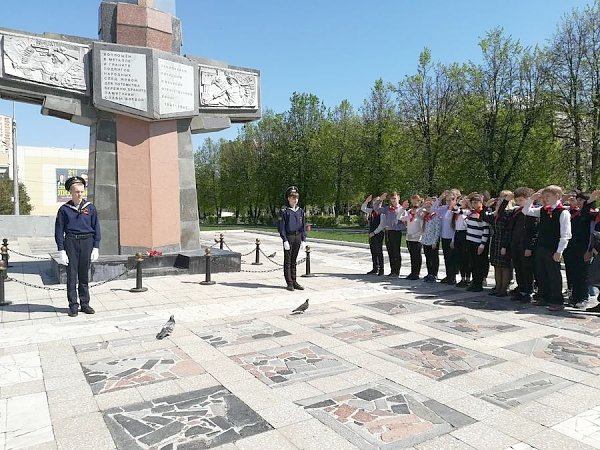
pixel 291 221
pixel 72 219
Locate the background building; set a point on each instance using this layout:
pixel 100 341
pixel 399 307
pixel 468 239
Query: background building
pixel 43 171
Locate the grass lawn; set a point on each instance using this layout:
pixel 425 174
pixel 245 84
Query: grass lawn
pixel 350 235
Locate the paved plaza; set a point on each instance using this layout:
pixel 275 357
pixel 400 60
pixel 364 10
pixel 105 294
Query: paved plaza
pixel 374 363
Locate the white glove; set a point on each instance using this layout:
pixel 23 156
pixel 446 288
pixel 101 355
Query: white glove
pixel 286 245
pixel 94 255
pixel 303 245
pixel 63 258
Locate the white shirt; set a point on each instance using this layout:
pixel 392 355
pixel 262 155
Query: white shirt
pixel 564 219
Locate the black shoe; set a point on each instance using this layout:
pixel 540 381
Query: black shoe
pixel 451 281
pixel 412 276
pixel 392 274
pixel 87 310
pixel 525 298
pixel 73 313
pixel 594 309
pixel 492 292
pixel 462 283
pixel 475 288
pixel 380 273
pixel 290 287
pixel 297 286
pixel 372 272
pixel 444 280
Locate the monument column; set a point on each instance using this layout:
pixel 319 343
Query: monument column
pixel 156 205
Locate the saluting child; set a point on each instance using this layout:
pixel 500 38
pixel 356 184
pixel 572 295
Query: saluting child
pixel 477 237
pixel 414 230
pixel 432 226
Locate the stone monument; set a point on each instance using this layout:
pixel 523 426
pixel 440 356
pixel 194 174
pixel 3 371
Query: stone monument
pixel 142 101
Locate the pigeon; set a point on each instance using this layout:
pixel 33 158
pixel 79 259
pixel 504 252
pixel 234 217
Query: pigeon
pixel 300 309
pixel 167 329
pixel 272 255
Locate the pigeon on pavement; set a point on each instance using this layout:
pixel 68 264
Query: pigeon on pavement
pixel 272 255
pixel 300 309
pixel 167 329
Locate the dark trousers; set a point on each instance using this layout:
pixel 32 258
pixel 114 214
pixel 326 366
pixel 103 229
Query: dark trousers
pixel 549 278
pixel 523 269
pixel 290 256
pixel 461 254
pixel 392 243
pixel 432 259
pixel 449 259
pixel 577 271
pixel 479 263
pixel 79 252
pixel 416 260
pixel 376 246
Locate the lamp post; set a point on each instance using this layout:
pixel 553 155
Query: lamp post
pixel 15 165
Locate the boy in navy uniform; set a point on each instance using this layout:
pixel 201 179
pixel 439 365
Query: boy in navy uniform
pixel 77 236
pixel 291 230
pixel 375 242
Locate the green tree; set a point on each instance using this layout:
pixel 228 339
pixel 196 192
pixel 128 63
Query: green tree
pixel 6 194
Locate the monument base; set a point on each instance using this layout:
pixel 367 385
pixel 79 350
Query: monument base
pixel 182 263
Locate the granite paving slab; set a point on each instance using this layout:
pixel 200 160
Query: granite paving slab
pixel 394 307
pixel 114 343
pixel 468 326
pixel 562 350
pixel 584 427
pixel 109 375
pixel 199 419
pixel 523 390
pixel 438 359
pixel 582 323
pixel 241 332
pixel 483 302
pixel 291 364
pixel 384 415
pixel 20 368
pixel 359 328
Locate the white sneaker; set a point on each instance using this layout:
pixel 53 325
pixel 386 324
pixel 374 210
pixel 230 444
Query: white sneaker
pixel 583 304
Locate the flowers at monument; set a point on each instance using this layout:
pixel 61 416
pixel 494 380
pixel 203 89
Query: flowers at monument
pixel 153 253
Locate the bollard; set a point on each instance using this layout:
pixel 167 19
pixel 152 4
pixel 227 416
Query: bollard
pixel 207 281
pixel 5 244
pixel 3 302
pixel 138 274
pixel 4 259
pixel 221 241
pixel 308 274
pixel 257 259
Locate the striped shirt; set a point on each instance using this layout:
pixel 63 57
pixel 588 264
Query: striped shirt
pixel 478 231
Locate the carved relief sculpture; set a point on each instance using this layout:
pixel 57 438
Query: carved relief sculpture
pixel 56 63
pixel 228 88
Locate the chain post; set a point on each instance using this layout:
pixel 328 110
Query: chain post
pixel 5 244
pixel 308 274
pixel 138 274
pixel 3 301
pixel 221 241
pixel 257 259
pixel 4 252
pixel 207 281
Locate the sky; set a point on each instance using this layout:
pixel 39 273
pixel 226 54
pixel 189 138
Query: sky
pixel 334 49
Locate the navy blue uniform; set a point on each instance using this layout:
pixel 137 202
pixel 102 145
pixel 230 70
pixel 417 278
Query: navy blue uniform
pixel 576 267
pixel 291 229
pixel 77 232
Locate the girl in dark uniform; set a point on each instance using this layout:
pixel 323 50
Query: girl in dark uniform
pixel 375 242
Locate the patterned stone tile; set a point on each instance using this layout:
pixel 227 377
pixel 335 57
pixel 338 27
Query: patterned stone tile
pixel 359 328
pixel 581 323
pixel 438 359
pixel 241 332
pixel 199 419
pixel 394 307
pixel 151 367
pixel 483 302
pixel 20 368
pixel 561 350
pixel 122 342
pixel 523 390
pixel 384 415
pixel 584 427
pixel 468 326
pixel 294 363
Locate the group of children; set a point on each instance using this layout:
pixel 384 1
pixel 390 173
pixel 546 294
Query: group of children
pixel 522 232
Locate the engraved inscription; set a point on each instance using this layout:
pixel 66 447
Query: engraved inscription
pixel 123 79
pixel 56 63
pixel 228 88
pixel 176 87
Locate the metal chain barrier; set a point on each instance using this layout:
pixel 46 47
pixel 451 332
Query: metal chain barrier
pixel 47 288
pixel 45 258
